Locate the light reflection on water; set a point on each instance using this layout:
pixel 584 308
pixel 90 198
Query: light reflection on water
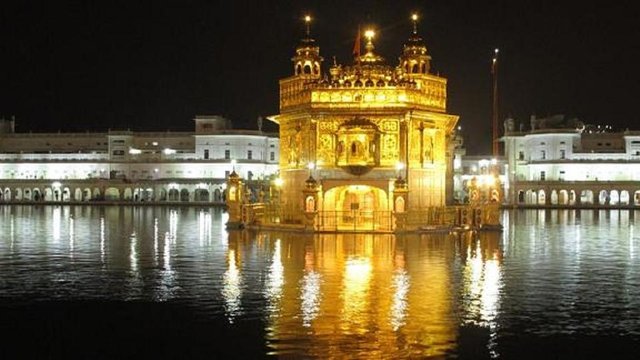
pixel 549 272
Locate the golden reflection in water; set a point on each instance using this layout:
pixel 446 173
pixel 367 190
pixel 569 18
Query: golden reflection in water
pixel 368 295
pixel 482 282
pixel 275 279
pixel 401 286
pixel 482 278
pixel 355 291
pixel 309 290
pixel 232 287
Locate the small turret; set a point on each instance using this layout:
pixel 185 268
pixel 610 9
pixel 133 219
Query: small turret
pixel 306 62
pixel 415 59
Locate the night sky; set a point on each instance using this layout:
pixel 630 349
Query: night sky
pixel 95 65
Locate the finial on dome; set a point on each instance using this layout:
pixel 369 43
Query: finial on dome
pixel 414 18
pixel 307 21
pixel 369 34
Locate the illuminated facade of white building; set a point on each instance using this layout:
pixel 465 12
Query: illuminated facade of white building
pixel 561 162
pixel 132 166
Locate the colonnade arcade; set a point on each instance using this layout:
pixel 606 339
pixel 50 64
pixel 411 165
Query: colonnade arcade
pixel 611 196
pixel 134 192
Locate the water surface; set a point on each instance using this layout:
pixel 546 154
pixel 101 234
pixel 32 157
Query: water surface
pixel 125 282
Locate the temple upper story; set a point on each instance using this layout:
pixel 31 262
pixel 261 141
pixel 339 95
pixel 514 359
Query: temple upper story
pixel 369 82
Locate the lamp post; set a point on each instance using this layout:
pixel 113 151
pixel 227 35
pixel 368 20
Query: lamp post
pixel 278 183
pixel 399 168
pixel 311 166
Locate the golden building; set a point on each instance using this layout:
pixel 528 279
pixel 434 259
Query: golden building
pixel 366 145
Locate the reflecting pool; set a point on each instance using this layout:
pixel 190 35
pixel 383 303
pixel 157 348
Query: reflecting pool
pixel 119 282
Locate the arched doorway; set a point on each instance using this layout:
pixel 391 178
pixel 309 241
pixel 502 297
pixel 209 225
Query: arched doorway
pixel 184 195
pixel 128 194
pixel 174 195
pixel 66 194
pixel 572 197
pixel 217 195
pixel 356 207
pixel 201 195
pixel 563 197
pixel 112 194
pixel 624 197
pixel 18 194
pixel 37 195
pixel 77 195
pixel 586 197
pixel 614 197
pixel 48 194
pixel 603 197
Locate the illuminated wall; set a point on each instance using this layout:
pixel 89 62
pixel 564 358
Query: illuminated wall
pixel 365 124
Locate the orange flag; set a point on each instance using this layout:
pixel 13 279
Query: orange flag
pixel 356 45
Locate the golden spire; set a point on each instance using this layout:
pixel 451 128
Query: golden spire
pixel 307 21
pixel 414 18
pixel 369 34
pixel 369 57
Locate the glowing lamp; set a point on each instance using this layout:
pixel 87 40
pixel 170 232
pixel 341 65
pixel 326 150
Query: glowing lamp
pixel 369 34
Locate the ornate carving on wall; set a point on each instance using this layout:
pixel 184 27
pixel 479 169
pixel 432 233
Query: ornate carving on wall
pixel 326 149
pixel 390 151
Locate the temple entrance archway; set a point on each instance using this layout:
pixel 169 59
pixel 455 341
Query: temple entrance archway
pixel 357 208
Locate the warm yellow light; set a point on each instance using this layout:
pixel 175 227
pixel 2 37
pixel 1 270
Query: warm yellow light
pixel 369 34
pixel 490 180
pixel 414 17
pixel 399 165
pixel 307 18
pixel 278 182
pixel 311 165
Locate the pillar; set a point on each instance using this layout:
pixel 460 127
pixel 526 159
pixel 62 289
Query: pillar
pixel 235 196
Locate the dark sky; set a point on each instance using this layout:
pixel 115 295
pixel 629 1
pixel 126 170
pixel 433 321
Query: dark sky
pixel 94 65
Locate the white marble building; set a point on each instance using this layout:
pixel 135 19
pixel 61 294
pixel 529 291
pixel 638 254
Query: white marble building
pixel 132 166
pixel 561 162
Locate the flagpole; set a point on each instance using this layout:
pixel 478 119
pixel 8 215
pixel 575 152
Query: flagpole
pixel 494 71
pixel 356 46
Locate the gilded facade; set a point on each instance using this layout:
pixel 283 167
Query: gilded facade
pixel 364 141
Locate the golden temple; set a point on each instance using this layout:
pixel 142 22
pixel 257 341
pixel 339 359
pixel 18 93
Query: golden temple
pixel 366 147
